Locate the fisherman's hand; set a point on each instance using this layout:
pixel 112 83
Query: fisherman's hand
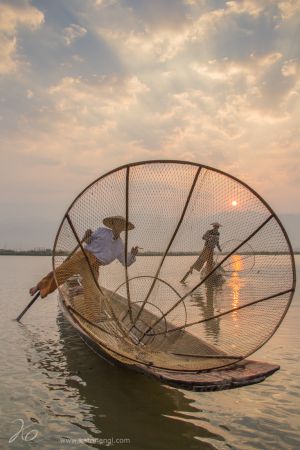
pixel 87 236
pixel 134 251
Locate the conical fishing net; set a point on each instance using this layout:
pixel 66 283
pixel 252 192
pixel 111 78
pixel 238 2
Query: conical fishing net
pixel 180 304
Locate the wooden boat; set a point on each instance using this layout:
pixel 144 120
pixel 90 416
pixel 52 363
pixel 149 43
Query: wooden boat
pixel 94 334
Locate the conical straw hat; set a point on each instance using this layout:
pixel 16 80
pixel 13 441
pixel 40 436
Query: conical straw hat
pixel 108 222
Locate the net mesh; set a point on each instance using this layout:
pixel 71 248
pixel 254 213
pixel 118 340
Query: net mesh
pixel 185 302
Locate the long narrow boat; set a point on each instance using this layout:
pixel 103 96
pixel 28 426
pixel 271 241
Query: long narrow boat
pixel 99 336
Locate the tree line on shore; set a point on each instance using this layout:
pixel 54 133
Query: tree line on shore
pixel 49 252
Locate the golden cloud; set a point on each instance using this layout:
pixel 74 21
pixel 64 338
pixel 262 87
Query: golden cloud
pixel 11 18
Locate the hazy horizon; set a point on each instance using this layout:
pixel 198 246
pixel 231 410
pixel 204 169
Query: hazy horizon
pixel 290 222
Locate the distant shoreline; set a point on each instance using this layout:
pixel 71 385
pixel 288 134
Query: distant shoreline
pixel 48 252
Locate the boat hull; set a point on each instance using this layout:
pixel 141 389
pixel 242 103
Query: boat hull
pixel 243 373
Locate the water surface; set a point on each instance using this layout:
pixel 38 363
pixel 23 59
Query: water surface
pixel 51 381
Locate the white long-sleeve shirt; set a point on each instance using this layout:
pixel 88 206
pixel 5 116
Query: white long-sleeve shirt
pixel 107 248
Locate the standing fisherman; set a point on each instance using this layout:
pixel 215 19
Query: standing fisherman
pixel 103 247
pixel 211 238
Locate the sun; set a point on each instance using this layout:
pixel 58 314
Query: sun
pixel 234 203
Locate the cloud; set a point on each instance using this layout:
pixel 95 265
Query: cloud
pixel 226 69
pixel 86 117
pixel 7 51
pixel 181 29
pixel 12 18
pixel 21 14
pixel 289 8
pixel 102 96
pixel 73 32
pixel 214 82
pixel 29 94
pixel 161 15
pixel 251 7
pixel 291 68
pixel 265 82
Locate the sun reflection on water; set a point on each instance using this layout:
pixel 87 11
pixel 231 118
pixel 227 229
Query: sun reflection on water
pixel 235 285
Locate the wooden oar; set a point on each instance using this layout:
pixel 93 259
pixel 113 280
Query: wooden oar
pixel 38 293
pixel 28 306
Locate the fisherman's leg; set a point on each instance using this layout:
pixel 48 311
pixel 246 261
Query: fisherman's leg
pixel 209 261
pixel 91 309
pixel 200 261
pixel 68 268
pixel 186 275
pixel 198 264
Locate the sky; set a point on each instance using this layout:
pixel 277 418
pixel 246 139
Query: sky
pixel 87 86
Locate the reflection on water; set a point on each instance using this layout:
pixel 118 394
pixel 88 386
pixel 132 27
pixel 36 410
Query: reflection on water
pixel 51 379
pixel 212 298
pixel 235 284
pixel 206 300
pixel 238 263
pixel 228 290
pixel 112 401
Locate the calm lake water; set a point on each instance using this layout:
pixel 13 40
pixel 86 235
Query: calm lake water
pixel 56 388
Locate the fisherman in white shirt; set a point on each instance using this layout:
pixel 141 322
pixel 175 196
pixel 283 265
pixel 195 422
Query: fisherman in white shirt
pixel 106 245
pixel 102 247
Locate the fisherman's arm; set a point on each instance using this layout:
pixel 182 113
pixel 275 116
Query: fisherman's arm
pixel 131 256
pixel 88 236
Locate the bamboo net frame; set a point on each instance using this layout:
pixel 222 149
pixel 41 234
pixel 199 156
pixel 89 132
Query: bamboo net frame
pixel 140 313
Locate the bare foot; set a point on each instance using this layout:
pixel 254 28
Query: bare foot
pixel 33 290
